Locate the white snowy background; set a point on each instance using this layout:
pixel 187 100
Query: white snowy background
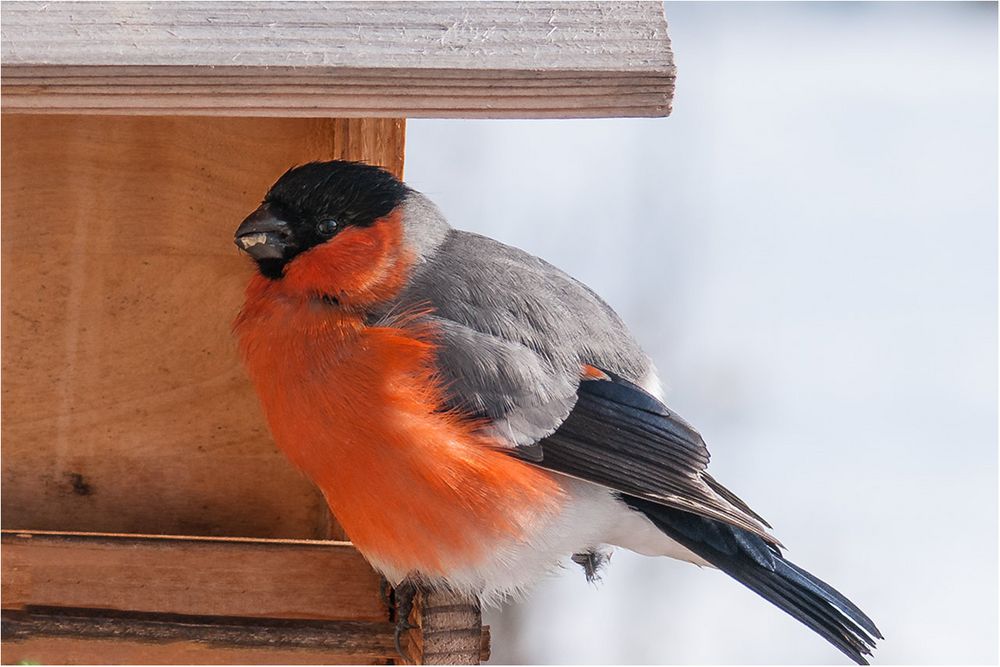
pixel 808 250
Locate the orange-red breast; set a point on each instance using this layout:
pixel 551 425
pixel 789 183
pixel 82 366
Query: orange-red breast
pixel 473 415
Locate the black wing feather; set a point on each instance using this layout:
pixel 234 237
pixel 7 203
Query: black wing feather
pixel 761 568
pixel 620 436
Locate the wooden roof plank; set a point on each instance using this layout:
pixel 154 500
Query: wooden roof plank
pixel 183 50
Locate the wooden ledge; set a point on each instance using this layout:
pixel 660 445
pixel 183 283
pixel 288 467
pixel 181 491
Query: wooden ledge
pixel 344 59
pixel 120 598
pixel 201 576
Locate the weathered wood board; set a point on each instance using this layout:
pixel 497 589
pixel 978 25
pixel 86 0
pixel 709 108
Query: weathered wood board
pixel 345 59
pixel 190 576
pixel 46 650
pixel 85 598
pixel 71 598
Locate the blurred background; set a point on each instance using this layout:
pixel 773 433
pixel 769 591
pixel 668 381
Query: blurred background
pixel 808 250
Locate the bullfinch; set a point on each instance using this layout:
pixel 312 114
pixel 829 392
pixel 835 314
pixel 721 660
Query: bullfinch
pixel 474 416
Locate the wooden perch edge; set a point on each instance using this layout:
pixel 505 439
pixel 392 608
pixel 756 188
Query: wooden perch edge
pixel 198 576
pixel 344 59
pixel 68 597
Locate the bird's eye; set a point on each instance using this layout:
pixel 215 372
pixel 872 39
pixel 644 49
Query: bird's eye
pixel 327 227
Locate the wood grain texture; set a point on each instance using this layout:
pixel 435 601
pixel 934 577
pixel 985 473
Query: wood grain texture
pixel 418 59
pixel 102 598
pixel 267 639
pixel 276 579
pixel 76 651
pixel 125 407
pixel 447 630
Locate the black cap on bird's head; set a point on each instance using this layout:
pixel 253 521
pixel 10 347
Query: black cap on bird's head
pixel 311 204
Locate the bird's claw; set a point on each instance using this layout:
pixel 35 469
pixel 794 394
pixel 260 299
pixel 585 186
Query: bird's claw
pixel 401 628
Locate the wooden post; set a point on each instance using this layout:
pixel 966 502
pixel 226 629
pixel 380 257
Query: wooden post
pixel 448 630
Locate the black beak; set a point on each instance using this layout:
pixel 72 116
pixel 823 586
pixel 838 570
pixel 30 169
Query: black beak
pixel 263 236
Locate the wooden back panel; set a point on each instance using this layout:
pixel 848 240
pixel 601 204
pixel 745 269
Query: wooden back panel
pixel 125 407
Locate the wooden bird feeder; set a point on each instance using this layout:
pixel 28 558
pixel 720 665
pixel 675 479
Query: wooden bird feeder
pixel 147 516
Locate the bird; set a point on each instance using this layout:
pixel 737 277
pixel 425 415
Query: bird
pixel 473 416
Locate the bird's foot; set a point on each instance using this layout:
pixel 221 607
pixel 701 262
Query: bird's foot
pixel 592 561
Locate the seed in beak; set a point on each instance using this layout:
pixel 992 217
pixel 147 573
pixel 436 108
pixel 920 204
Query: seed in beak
pixel 250 240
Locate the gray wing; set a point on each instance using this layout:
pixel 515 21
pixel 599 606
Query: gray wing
pixel 513 334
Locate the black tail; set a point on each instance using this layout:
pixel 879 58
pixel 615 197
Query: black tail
pixel 761 568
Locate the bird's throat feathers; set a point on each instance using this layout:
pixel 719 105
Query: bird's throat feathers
pixel 358 268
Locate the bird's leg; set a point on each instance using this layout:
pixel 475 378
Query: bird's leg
pixel 404 593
